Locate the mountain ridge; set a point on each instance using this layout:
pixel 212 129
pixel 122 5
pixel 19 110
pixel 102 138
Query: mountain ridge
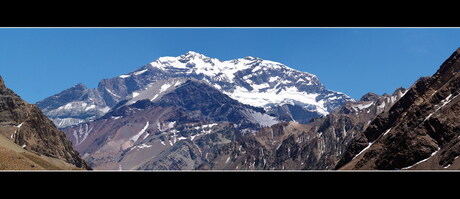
pixel 282 91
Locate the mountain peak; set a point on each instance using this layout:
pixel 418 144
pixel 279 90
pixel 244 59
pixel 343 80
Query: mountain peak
pixel 80 86
pixel 2 83
pixel 193 54
pixel 400 89
pixel 251 58
pixel 3 89
pixel 370 97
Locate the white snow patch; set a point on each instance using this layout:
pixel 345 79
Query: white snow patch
pixel 163 143
pixel 163 127
pixel 68 106
pixel 154 97
pixel 136 137
pixel 142 146
pixel 113 94
pixel 177 83
pixel 82 131
pixel 208 125
pixel 19 126
pixel 145 136
pixel 92 106
pixel 260 118
pixel 450 164
pixel 285 95
pixel 275 78
pixel 135 94
pixel 140 72
pixel 205 126
pixel 405 93
pixel 444 103
pixel 381 106
pixel 124 76
pixel 368 146
pixel 386 132
pixel 24 146
pixel 105 109
pixel 13 135
pixel 164 87
pixel 76 137
pixel 361 106
pixel 424 160
pixel 193 137
pixel 171 124
pixel 205 129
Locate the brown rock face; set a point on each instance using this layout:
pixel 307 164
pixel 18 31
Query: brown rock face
pixel 25 124
pixel 421 131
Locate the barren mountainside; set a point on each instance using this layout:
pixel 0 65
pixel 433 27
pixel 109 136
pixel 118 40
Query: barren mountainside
pixel 186 110
pixel 26 126
pixel 421 131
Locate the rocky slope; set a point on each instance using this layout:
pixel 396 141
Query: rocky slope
pixel 14 157
pixel 293 146
pixel 287 94
pixel 421 131
pixel 283 146
pixel 137 130
pixel 26 126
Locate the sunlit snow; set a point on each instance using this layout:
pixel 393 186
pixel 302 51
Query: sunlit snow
pixel 136 137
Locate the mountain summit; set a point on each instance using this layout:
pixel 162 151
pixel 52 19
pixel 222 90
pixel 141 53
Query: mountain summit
pixel 285 93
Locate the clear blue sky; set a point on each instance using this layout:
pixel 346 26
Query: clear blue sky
pixel 39 62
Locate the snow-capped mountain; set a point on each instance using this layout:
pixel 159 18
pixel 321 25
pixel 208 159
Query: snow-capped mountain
pixel 283 92
pixel 74 105
pixel 252 81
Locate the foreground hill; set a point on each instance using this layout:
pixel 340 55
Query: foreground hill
pixel 26 133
